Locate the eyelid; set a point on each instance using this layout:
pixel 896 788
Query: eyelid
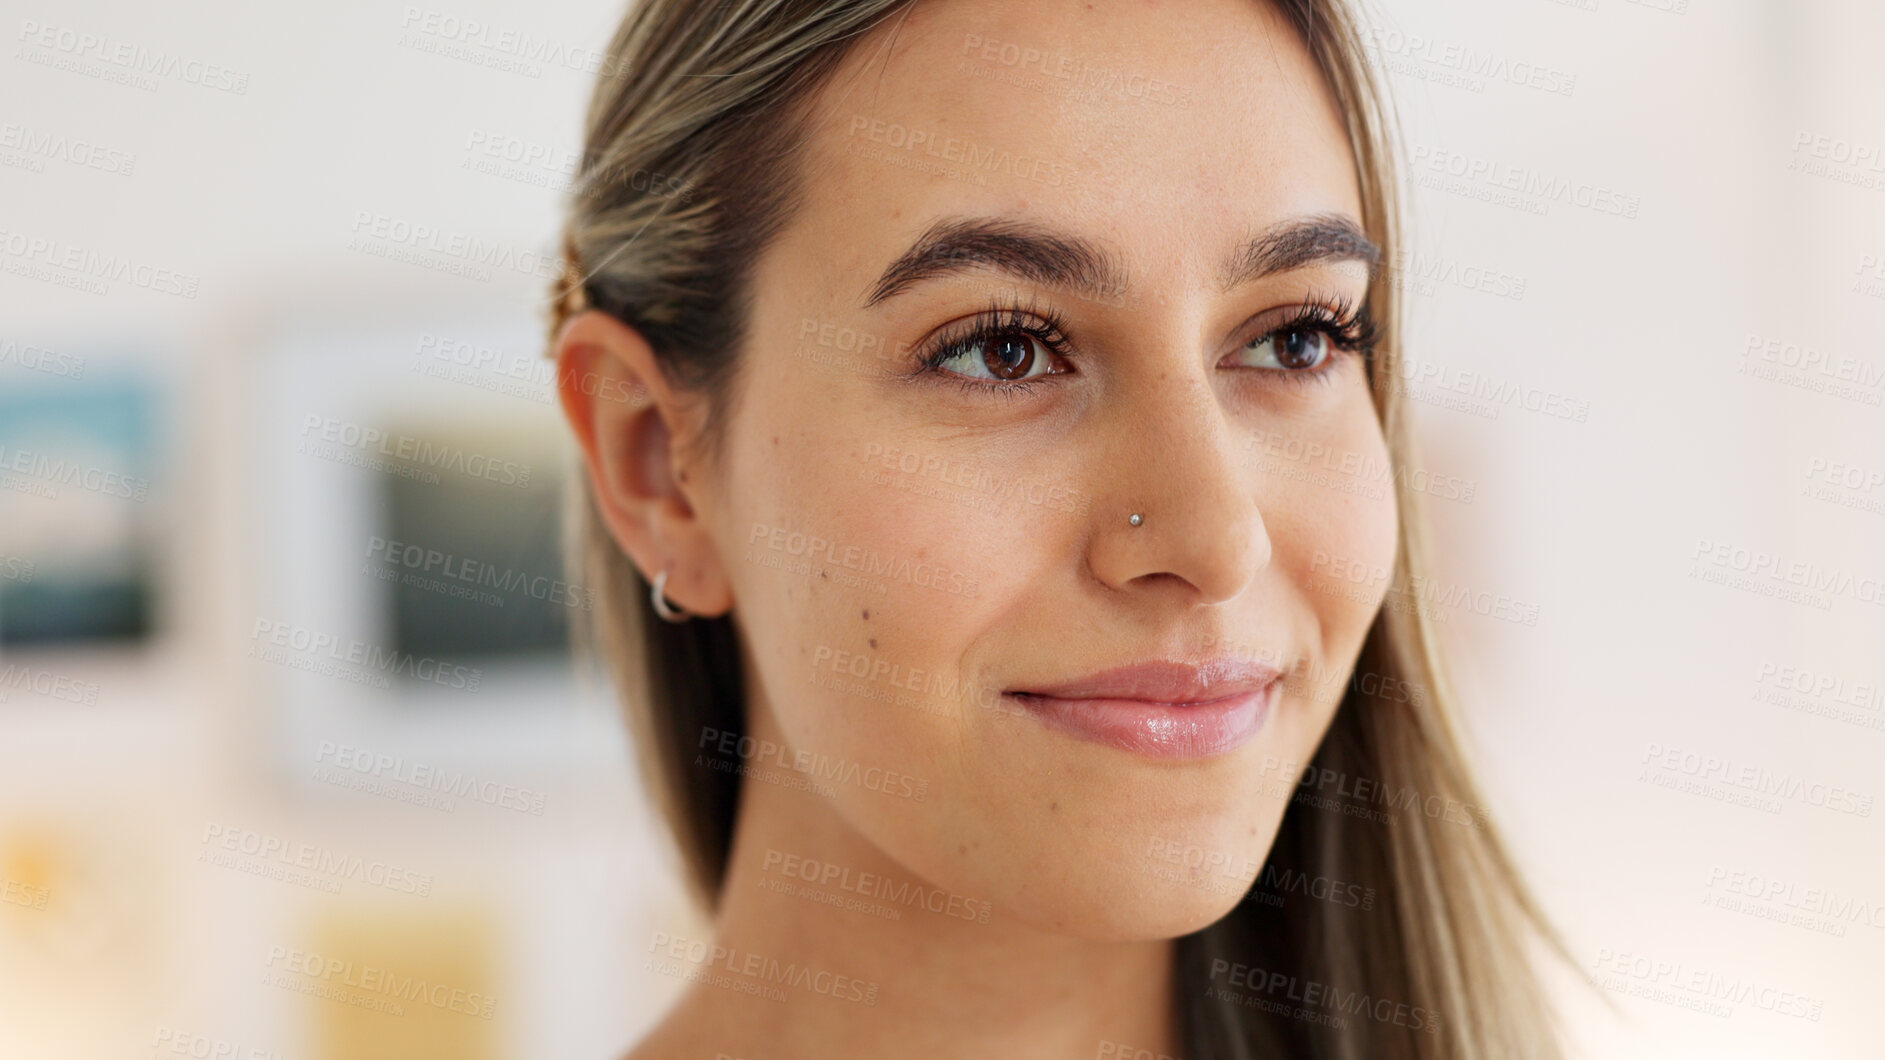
pixel 1348 322
pixel 1038 322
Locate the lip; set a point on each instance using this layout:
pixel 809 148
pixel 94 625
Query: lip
pixel 1160 709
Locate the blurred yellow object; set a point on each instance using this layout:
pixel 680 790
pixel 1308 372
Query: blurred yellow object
pixel 388 982
pixel 29 868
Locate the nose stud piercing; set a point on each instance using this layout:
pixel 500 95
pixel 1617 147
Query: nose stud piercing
pixel 1136 519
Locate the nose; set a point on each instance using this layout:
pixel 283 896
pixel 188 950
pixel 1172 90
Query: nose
pixel 1176 462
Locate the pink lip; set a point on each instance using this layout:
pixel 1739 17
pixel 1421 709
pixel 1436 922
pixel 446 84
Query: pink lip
pixel 1161 709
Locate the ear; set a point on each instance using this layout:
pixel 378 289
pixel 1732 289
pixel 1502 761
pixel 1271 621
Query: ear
pixel 625 418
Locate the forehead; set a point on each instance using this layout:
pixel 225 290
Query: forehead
pixel 1167 130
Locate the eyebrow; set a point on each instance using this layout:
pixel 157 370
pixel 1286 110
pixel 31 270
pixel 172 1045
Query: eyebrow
pixel 1318 239
pixel 1042 255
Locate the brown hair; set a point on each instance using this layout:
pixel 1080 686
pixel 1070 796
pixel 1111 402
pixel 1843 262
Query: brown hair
pixel 688 170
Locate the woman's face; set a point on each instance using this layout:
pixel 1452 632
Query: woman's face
pixel 1120 234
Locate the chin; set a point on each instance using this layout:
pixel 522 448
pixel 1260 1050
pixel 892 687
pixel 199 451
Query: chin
pixel 1114 903
pixel 1156 876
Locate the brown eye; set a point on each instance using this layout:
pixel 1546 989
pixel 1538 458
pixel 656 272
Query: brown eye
pixel 1008 356
pixel 999 356
pixel 1293 349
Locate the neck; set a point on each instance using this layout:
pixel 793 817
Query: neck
pixel 872 960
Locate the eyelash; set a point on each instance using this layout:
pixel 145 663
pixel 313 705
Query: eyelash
pixel 1350 331
pixel 1035 321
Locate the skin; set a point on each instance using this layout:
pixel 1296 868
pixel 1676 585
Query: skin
pixel 1066 844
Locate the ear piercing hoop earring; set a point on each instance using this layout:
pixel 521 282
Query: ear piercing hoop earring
pixel 667 611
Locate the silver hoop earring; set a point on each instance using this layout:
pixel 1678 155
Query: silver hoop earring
pixel 666 610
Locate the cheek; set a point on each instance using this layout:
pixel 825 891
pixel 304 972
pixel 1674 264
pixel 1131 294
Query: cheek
pixel 863 573
pixel 868 603
pixel 1334 528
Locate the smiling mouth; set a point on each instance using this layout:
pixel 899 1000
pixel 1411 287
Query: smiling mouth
pixel 1160 709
